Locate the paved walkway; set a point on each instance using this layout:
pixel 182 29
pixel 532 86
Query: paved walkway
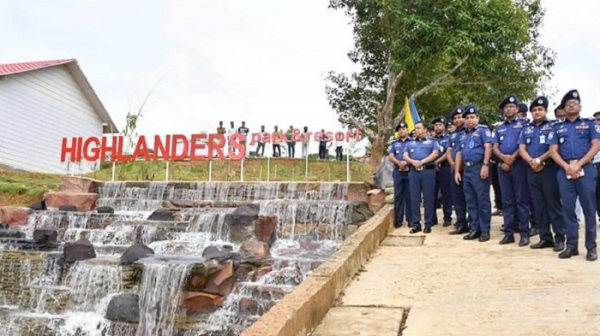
pixel 449 286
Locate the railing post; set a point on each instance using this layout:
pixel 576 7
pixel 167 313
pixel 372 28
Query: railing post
pixel 348 165
pixel 210 170
pixel 167 172
pixel 268 168
pixel 306 165
pixel 242 170
pixel 114 167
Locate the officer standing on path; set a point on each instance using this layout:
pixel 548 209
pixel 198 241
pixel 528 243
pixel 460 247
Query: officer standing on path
pixel 474 154
pixel 456 189
pixel 400 175
pixel 512 174
pixel 443 177
pixel 573 144
pixel 596 162
pixel 543 185
pixel 421 154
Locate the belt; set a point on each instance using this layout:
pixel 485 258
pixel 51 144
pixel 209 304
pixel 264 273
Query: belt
pixel 425 167
pixel 473 163
pixel 597 165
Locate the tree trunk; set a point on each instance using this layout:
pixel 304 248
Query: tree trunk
pixel 377 148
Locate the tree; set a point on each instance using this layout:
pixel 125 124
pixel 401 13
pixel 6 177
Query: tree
pixel 444 53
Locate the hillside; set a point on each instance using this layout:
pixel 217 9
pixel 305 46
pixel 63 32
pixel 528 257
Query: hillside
pixel 22 188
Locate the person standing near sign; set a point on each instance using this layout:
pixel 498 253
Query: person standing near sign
pixel 230 132
pixel 421 154
pixel 573 144
pixel 277 138
pixel 305 141
pixel 323 151
pixel 243 130
pixel 291 143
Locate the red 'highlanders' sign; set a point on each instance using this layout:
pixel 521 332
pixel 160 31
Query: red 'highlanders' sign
pixel 94 148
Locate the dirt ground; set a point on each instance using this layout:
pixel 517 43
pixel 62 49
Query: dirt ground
pixel 448 286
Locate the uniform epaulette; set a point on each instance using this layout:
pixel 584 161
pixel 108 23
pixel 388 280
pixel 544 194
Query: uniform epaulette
pixel 557 121
pixel 481 126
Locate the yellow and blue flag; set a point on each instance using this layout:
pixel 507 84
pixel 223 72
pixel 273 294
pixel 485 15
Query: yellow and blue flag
pixel 411 115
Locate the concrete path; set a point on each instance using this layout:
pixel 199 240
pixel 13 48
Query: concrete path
pixel 449 286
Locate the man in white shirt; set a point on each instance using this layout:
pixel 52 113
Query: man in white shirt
pixel 230 131
pixel 339 149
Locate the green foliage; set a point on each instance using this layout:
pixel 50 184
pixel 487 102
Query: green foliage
pixel 450 53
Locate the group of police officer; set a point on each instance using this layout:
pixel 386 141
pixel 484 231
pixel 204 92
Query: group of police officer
pixel 543 167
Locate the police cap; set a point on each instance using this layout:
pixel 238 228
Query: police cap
pixel 401 124
pixel 539 101
pixel 523 108
pixel 449 123
pixel 512 99
pixel 471 109
pixel 457 110
pixel 439 120
pixel 573 94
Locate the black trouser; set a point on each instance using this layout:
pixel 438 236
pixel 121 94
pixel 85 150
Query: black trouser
pixel 276 150
pixel 322 152
pixel 338 153
pixel 260 149
pixel 496 186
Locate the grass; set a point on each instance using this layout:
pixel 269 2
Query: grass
pixel 22 188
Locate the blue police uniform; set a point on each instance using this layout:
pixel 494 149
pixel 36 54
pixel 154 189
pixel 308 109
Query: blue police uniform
pixel 401 189
pixel 477 190
pixel 534 226
pixel 573 139
pixel 543 185
pixel 456 190
pixel 513 183
pixel 443 176
pixel 422 182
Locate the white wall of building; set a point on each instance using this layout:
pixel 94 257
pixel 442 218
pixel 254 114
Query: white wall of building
pixel 37 109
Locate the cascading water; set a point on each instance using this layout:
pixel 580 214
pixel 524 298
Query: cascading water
pixel 72 300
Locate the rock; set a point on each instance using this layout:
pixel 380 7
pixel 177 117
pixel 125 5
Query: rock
pixel 264 229
pixel 14 216
pixel 349 230
pixel 190 204
pixel 44 236
pixel 255 248
pixel 72 184
pixel 134 253
pixel 389 190
pixel 260 272
pixel 105 210
pixel 389 199
pixel 124 308
pixel 83 201
pixel 241 222
pixel 243 271
pixel 221 282
pixel 375 199
pixel 67 208
pixel 3 226
pixel 213 252
pixel 10 233
pixel 200 303
pixel 81 249
pixel 389 185
pixel 162 215
pixel 168 205
pixel 360 212
pixel 39 206
pixel 248 306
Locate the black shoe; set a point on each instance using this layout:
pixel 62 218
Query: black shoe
pixel 415 229
pixel 472 235
pixel 524 241
pixel 446 224
pixel 558 246
pixel 484 237
pixel 398 226
pixel 568 253
pixel 460 230
pixel 534 232
pixel 542 244
pixel 427 230
pixel 592 255
pixel 508 239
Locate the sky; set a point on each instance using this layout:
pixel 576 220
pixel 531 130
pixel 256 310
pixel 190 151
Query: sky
pixel 263 61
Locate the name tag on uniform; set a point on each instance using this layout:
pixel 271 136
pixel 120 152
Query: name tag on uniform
pixel 542 139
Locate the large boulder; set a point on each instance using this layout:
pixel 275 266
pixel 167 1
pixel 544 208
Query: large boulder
pixel 221 282
pixel 73 184
pixel 124 308
pixel 83 201
pixel 265 229
pixel 14 216
pixel 360 212
pixel 216 253
pixel 165 215
pixel 241 222
pixel 255 249
pixel 134 253
pixel 81 249
pixel 45 236
pixel 375 199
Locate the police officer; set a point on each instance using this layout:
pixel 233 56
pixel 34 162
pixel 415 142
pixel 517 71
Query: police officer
pixel 523 109
pixel 400 175
pixel 543 185
pixel 475 151
pixel 421 154
pixel 450 126
pixel 573 144
pixel 512 174
pixel 443 177
pixel 456 189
